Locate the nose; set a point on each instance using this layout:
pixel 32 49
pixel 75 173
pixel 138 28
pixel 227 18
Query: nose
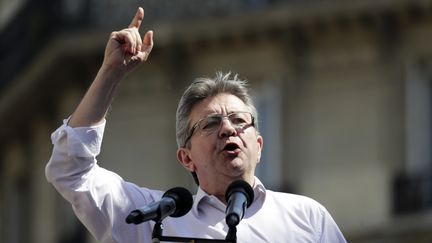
pixel 226 129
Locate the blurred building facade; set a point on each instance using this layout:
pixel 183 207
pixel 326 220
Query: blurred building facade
pixel 343 89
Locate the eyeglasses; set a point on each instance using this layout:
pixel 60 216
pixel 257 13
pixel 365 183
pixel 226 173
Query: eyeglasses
pixel 208 125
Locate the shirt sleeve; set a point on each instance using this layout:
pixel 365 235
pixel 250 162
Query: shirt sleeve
pixel 100 198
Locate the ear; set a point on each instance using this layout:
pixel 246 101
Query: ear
pixel 183 156
pixel 260 144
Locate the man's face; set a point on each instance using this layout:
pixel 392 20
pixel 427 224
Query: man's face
pixel 225 154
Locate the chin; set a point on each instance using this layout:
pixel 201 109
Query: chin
pixel 236 163
pixel 238 170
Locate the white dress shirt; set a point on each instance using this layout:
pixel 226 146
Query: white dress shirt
pixel 102 200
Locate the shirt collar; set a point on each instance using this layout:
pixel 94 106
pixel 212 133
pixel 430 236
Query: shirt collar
pixel 203 197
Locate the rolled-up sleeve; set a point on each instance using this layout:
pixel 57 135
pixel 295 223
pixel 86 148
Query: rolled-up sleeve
pixel 74 153
pixel 99 197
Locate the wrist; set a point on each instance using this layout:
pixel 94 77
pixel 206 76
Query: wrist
pixel 111 74
pixel 112 70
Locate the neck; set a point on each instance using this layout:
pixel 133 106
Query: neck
pixel 219 189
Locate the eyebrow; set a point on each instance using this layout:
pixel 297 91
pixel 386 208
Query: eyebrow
pixel 229 113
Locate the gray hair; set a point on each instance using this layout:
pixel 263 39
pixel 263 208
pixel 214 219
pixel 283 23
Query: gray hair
pixel 202 88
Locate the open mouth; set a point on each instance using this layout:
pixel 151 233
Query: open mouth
pixel 231 147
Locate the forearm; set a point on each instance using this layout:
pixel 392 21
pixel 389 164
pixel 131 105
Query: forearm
pixel 96 102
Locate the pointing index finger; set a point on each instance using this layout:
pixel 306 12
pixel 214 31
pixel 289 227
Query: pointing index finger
pixel 138 18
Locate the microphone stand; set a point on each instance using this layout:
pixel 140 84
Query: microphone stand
pixel 158 237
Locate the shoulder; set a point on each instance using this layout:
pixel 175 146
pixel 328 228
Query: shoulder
pixel 292 198
pixel 305 212
pixel 295 203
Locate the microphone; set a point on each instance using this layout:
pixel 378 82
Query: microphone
pixel 175 202
pixel 239 195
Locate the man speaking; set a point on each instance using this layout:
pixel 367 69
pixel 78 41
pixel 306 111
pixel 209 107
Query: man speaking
pixel 218 142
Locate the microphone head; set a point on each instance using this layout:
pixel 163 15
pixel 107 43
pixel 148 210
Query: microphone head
pixel 243 187
pixel 183 199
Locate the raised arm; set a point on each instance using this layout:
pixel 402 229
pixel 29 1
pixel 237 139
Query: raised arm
pixel 124 51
